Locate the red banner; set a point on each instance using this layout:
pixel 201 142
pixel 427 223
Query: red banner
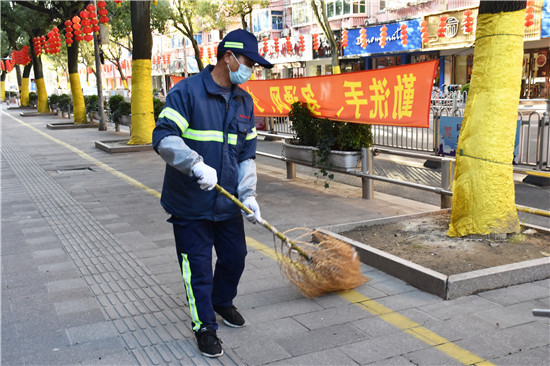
pixel 395 96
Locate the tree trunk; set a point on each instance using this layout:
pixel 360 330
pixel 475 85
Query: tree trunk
pixel 42 94
pixel 79 107
pixel 18 74
pixel 25 85
pixel 484 194
pixel 3 86
pixel 322 20
pixel 143 120
pixel 197 53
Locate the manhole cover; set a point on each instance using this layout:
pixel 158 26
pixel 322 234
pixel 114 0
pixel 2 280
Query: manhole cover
pixel 75 171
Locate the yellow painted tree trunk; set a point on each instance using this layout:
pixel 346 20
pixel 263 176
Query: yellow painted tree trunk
pixel 42 101
pixel 79 108
pixel 25 92
pixel 483 188
pixel 143 119
pixel 3 91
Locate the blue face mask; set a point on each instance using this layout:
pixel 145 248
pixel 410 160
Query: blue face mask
pixel 242 74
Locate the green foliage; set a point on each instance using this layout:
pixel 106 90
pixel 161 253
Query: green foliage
pixel 303 125
pixel 91 103
pixel 114 102
pixel 326 135
pixel 33 97
pixel 158 106
pixel 53 100
pixel 465 88
pixel 124 108
pixel 319 132
pixel 64 102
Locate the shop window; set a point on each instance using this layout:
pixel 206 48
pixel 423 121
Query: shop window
pixel 338 4
pixel 330 9
pixel 382 4
pixel 198 38
pixel 347 6
pixel 301 13
pixel 277 19
pixel 359 6
pixel 389 61
pixel 535 78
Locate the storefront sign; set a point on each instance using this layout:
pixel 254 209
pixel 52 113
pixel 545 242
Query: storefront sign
pixel 370 43
pixel 545 22
pixel 455 33
pixel 395 96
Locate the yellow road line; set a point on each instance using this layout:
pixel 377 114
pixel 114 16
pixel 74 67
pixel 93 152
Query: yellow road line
pixel 397 320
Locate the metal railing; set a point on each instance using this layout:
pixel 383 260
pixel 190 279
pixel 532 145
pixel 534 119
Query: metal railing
pixel 534 139
pixel 368 178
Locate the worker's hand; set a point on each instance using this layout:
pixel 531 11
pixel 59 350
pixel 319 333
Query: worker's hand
pixel 251 203
pixel 207 176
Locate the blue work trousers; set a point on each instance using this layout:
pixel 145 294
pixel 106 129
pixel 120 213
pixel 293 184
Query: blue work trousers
pixel 194 242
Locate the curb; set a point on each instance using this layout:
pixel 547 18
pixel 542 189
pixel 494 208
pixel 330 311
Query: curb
pixel 120 146
pixel 444 286
pixel 70 125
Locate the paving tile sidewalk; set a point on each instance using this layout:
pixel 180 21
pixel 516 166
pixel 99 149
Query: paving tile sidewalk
pixel 90 276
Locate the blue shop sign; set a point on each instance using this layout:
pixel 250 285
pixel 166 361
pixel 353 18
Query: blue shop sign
pixel 393 39
pixel 545 22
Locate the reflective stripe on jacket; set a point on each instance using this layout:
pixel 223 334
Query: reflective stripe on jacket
pixel 222 133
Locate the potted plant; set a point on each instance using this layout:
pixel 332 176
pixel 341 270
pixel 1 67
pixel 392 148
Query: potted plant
pixel 92 106
pixel 326 144
pixel 54 103
pixel 33 99
pixel 158 106
pixel 64 103
pixel 124 112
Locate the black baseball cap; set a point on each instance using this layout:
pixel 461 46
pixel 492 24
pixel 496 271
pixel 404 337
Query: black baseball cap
pixel 244 43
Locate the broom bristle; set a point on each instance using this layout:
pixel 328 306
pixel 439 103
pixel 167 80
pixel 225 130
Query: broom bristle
pixel 333 265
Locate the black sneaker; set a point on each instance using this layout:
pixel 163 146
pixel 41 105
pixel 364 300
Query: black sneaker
pixel 209 343
pixel 230 316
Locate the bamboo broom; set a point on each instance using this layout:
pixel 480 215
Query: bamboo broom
pixel 314 263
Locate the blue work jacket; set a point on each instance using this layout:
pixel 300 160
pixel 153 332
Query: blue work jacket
pixel 223 133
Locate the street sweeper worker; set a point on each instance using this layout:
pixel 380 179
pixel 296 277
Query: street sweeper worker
pixel 206 135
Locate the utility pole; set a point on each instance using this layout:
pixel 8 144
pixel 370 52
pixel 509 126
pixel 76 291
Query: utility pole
pixel 102 125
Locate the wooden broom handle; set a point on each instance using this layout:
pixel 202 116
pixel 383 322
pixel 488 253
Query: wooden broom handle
pixel 266 224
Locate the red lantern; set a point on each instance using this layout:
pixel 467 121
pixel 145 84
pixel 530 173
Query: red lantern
pixel 383 35
pixel 117 2
pixel 363 37
pixel 344 38
pixel 315 41
pixel 266 47
pixel 424 31
pixel 102 11
pixel 529 13
pixel 2 67
pixel 404 34
pixel 302 43
pixel 442 26
pixel 288 45
pixel 201 52
pixel 68 33
pixel 90 7
pixel 468 21
pixel 276 42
